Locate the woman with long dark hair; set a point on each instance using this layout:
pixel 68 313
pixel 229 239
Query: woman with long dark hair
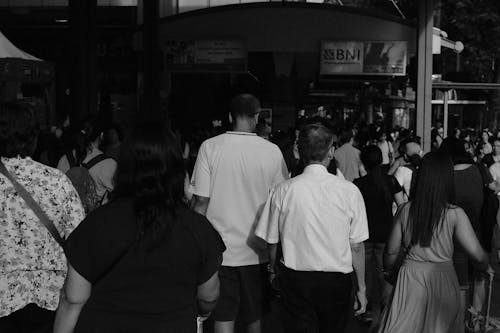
pixel 144 262
pixel 426 297
pixel 380 191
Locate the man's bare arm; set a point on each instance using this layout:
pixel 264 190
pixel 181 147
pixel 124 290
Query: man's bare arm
pixel 200 204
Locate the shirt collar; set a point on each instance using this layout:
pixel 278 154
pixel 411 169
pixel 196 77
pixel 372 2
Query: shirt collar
pixel 315 169
pixel 241 133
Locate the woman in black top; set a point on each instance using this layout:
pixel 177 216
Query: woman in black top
pixel 379 191
pixel 144 262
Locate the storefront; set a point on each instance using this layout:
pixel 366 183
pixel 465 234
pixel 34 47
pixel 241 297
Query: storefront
pixel 350 62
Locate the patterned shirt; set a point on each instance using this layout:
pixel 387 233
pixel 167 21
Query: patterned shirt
pixel 32 264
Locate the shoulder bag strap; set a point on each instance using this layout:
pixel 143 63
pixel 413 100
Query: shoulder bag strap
pixel 43 218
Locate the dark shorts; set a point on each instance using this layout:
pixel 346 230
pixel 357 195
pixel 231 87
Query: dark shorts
pixel 244 292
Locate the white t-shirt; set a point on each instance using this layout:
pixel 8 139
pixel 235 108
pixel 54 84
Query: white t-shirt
pixel 404 175
pixel 386 148
pixel 236 170
pixel 315 216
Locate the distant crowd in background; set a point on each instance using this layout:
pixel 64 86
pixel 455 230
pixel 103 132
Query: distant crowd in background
pixel 158 230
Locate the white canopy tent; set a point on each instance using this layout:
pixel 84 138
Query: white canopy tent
pixel 19 69
pixel 9 50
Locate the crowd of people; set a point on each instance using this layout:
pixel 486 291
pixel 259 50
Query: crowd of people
pixel 162 231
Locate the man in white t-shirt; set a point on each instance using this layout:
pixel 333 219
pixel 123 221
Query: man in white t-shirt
pixel 232 177
pixel 320 221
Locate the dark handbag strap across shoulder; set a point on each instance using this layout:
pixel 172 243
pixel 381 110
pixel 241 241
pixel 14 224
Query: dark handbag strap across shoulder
pixel 42 217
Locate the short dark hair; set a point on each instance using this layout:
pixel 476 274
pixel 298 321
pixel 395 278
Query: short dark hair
pixel 371 157
pixel 18 130
pixel 346 136
pixel 314 142
pixel 244 105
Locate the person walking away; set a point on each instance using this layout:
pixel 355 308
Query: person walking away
pixel 144 262
pixel 471 181
pixel 347 157
pixel 387 151
pixel 380 192
pixel 33 263
pixel 320 222
pixel 232 177
pixel 426 296
pixel 86 153
pixel 404 173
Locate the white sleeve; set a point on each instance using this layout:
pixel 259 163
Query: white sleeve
pixel 359 223
pixel 282 173
pixel 268 225
pixel 201 179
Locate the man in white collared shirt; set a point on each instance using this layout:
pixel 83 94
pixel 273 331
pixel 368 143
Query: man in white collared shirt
pixel 232 177
pixel 320 222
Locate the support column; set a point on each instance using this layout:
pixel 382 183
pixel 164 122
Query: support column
pixel 424 72
pixel 84 57
pixel 151 62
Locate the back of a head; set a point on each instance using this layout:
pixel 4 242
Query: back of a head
pixel 371 157
pixel 244 106
pixel 18 130
pixel 456 150
pixel 346 136
pixel 151 170
pixel 434 191
pixel 411 147
pixel 315 140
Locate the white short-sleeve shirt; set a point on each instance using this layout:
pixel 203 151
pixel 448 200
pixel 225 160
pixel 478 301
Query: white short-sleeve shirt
pixel 315 216
pixel 236 170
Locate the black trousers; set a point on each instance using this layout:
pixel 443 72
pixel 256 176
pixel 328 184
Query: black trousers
pixel 30 319
pixel 315 301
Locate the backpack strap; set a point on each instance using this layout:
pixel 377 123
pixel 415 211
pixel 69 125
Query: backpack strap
pixel 42 217
pixel 98 159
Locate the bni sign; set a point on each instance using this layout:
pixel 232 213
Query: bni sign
pixel 341 57
pixel 363 58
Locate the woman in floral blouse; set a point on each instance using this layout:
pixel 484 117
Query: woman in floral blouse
pixel 32 263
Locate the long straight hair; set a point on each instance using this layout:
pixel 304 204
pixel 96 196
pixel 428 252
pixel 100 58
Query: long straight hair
pixel 151 170
pixel 434 192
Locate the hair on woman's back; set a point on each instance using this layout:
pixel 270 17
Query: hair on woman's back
pixel 434 192
pixel 371 157
pixel 151 170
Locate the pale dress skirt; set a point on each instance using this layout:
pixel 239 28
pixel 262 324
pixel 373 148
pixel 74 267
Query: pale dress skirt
pixel 426 299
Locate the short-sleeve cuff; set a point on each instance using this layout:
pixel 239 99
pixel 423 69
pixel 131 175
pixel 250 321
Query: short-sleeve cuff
pixel 358 239
pixel 199 193
pixel 268 240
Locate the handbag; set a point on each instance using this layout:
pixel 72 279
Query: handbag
pixel 42 217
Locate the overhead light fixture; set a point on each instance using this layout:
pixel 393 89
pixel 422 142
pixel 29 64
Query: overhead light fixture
pixel 61 20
